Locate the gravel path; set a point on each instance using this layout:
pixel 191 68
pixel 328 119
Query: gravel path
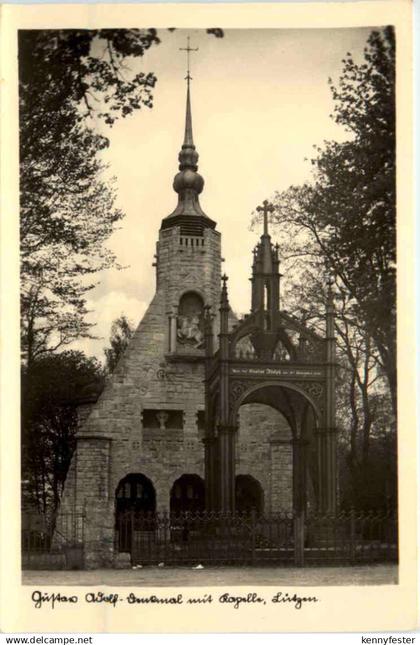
pixel 218 576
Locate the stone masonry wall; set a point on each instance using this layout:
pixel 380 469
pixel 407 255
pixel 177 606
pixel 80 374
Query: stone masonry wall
pixel 112 442
pixel 264 451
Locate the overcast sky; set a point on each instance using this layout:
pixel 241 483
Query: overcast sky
pixel 260 102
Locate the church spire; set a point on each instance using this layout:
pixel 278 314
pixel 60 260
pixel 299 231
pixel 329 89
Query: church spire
pixel 188 156
pixel 188 183
pixel 188 138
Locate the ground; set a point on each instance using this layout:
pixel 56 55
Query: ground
pixel 219 576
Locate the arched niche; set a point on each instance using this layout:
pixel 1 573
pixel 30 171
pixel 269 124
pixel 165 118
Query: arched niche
pixel 135 492
pixel 190 324
pixel 135 504
pixel 187 494
pixel 249 495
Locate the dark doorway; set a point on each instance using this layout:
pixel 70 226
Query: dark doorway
pixel 188 494
pixel 135 504
pixel 248 494
pixel 136 493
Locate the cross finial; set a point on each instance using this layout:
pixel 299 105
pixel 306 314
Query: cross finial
pixel 188 49
pixel 266 208
pixel 224 294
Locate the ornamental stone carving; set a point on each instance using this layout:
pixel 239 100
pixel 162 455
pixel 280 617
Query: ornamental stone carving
pixel 189 331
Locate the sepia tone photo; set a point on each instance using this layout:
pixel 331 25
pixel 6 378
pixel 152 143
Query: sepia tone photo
pixel 208 306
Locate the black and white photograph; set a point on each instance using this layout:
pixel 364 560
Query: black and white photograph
pixel 208 308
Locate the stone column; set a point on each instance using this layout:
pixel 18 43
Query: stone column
pixel 209 472
pixel 299 475
pixel 95 499
pixel 226 432
pixel 226 471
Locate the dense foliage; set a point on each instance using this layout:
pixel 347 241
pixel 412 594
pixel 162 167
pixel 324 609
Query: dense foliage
pixel 51 390
pixel 343 224
pixel 72 85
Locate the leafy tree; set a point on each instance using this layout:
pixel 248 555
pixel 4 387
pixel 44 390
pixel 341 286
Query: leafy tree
pixel 121 332
pixel 70 82
pixel 342 223
pixel 364 415
pixel 346 216
pixel 51 391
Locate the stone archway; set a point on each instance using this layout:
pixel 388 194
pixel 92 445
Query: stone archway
pixel 187 494
pixel 249 494
pixel 135 492
pixel 263 449
pixel 135 496
pixel 301 414
pixel 284 365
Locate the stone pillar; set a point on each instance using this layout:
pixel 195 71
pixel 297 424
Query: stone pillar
pixel 209 440
pixel 210 445
pixel 95 499
pixel 299 475
pixel 226 432
pixel 226 472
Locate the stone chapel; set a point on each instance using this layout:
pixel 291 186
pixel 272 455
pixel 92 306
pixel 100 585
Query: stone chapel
pixel 141 443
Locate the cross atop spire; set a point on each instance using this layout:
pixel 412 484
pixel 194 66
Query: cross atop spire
pixel 266 208
pixel 188 49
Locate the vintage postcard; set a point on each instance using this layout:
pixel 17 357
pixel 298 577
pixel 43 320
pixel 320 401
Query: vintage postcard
pixel 208 364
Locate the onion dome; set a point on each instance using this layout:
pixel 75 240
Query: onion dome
pixel 188 183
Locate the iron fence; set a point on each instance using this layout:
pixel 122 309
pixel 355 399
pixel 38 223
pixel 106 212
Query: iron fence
pixel 214 538
pixel 204 537
pixel 55 542
pixel 351 536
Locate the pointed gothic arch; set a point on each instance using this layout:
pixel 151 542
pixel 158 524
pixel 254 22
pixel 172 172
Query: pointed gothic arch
pixel 295 377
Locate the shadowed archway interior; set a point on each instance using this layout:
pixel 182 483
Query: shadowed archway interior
pixel 135 493
pixel 187 494
pixel 249 495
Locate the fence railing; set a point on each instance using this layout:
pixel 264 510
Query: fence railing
pixel 52 541
pixel 250 538
pixel 215 538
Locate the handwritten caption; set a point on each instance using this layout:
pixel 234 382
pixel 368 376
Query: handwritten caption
pixel 235 601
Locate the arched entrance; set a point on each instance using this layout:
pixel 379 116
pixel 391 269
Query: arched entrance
pixel 273 358
pixel 187 494
pixel 297 412
pixel 135 501
pixel 136 493
pixel 249 495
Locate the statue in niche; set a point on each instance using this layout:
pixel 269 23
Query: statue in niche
pixel 190 321
pixel 189 330
pixel 162 418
